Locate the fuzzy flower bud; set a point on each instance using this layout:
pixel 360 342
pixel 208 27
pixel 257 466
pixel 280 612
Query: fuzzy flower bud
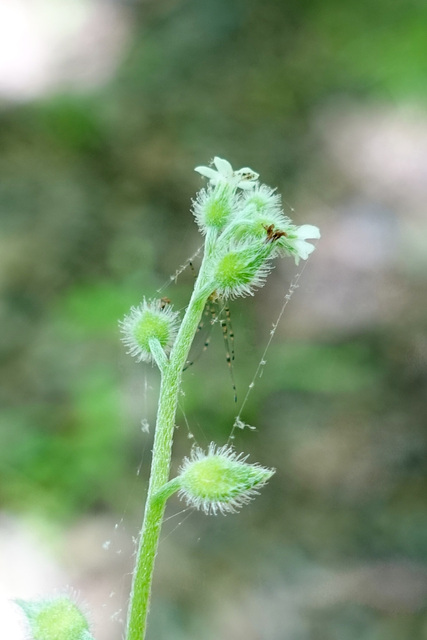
pixel 55 619
pixel 151 320
pixel 214 207
pixel 241 269
pixel 220 480
pixel 261 209
pixel 262 201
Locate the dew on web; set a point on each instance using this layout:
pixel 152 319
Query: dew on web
pixel 239 424
pixel 174 277
pixel 106 545
pixel 288 205
pixel 115 617
pixel 260 367
pixel 145 425
pixel 190 434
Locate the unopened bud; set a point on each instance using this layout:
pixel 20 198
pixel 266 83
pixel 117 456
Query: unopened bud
pixel 55 619
pixel 220 480
pixel 214 207
pixel 242 269
pixel 151 320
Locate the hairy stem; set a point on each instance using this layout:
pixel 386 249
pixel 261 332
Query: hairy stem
pixel 171 372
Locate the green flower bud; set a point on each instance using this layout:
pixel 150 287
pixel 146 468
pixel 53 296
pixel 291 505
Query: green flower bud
pixel 220 480
pixel 151 320
pixel 261 217
pixel 262 201
pixel 215 206
pixel 261 210
pixel 55 619
pixel 242 269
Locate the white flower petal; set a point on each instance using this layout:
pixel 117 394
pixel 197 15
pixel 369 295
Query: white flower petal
pixel 303 248
pixel 246 185
pixel 308 231
pixel 224 167
pixel 207 172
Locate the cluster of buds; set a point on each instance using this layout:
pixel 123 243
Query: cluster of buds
pixel 247 228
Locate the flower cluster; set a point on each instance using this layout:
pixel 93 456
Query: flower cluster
pixel 246 227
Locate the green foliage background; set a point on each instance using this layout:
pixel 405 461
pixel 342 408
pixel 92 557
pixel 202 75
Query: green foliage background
pixel 94 206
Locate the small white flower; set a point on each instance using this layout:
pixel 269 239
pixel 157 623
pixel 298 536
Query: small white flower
pixel 300 244
pixel 244 178
pixel 292 241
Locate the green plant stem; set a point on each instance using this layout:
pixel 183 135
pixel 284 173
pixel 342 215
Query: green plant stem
pixel 171 372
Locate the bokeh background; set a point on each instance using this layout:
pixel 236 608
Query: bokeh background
pixel 105 109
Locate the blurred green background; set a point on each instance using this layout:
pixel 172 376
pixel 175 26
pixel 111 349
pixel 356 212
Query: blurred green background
pixel 105 109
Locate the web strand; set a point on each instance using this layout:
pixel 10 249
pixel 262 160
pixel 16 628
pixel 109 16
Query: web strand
pixel 238 422
pixel 174 277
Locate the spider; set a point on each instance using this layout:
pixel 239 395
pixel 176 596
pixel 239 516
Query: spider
pixel 221 314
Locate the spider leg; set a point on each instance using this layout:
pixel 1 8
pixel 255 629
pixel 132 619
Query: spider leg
pixel 228 335
pixel 207 312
